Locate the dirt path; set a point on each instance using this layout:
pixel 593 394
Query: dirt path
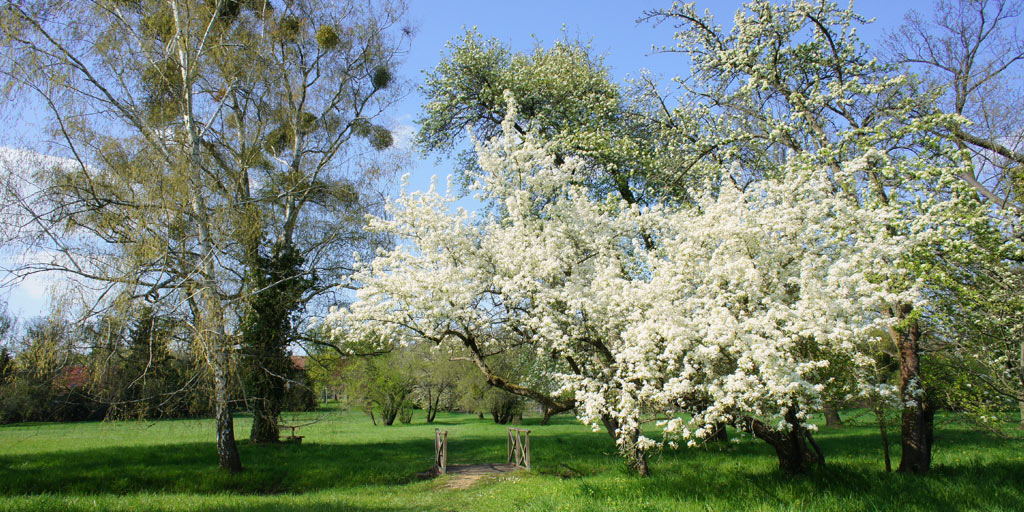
pixel 464 475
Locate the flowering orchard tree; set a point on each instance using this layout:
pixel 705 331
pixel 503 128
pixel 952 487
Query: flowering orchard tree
pixel 737 310
pixel 794 78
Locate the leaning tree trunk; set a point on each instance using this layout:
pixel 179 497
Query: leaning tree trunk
pixel 916 418
pixel 547 415
pixel 432 406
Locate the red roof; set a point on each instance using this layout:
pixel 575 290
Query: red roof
pixel 74 376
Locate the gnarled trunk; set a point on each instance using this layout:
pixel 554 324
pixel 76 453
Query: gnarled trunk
pixel 790 445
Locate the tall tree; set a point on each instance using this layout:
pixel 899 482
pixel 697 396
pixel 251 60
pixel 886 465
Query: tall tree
pixel 304 150
pixel 972 54
pixel 795 78
pixel 202 143
pixel 131 104
pixel 734 314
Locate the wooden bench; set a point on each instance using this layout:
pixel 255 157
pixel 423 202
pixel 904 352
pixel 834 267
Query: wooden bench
pixel 294 438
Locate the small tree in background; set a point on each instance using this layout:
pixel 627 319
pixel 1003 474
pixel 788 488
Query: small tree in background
pixel 382 386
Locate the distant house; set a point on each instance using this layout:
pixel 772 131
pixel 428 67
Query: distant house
pixel 300 396
pixel 72 377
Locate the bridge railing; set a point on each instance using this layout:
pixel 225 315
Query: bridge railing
pixel 519 447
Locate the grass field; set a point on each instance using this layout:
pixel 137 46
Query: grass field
pixel 345 463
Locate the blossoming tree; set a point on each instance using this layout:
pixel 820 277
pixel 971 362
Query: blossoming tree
pixel 734 311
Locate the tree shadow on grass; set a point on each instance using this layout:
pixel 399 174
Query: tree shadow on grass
pixel 269 469
pixel 322 503
pixel 724 485
pixel 743 473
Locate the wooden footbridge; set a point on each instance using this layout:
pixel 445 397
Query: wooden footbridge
pixel 518 456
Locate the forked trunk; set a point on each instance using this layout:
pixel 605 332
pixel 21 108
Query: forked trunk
pixel 790 445
pixel 432 408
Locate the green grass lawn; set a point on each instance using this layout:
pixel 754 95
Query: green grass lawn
pixel 345 463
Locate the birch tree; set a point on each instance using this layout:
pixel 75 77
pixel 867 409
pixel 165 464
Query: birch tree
pixel 211 144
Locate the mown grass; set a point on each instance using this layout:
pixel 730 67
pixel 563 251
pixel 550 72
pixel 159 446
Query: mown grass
pixel 345 463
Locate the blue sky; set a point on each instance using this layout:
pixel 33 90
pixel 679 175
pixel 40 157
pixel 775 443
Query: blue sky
pixel 609 25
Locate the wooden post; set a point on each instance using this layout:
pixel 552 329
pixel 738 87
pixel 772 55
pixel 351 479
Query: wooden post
pixel 527 450
pixel 440 451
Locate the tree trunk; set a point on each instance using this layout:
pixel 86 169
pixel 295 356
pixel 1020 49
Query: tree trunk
pixel 210 320
pixel 719 433
pixel 880 415
pixel 388 413
pixel 1020 371
pixel 547 415
pixel 636 457
pixel 227 450
pixel 432 406
pixel 611 426
pixel 832 418
pixel 265 427
pixel 790 445
pixel 915 425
